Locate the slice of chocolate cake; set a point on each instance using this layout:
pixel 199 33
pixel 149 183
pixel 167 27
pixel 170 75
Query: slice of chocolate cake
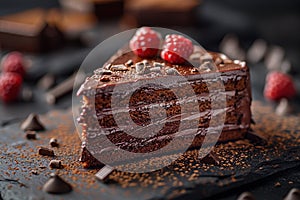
pixel 134 103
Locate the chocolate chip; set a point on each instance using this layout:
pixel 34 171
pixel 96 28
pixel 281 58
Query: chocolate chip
pixel 172 71
pixel 55 164
pixel 105 79
pixel 102 71
pixel 53 142
pixel 32 123
pixel 246 196
pixel 129 63
pixel 211 158
pixel 108 66
pixel 45 151
pixel 30 135
pixel 157 64
pixel 118 68
pixel 294 194
pixel 56 185
pixel 155 69
pixel 103 173
pixel 140 68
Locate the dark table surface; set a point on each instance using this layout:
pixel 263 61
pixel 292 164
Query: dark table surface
pixel 277 22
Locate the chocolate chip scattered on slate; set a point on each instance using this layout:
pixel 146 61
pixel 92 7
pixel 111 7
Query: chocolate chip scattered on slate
pixel 32 123
pixel 45 151
pixel 53 142
pixel 56 185
pixel 211 158
pixel 55 164
pixel 30 135
pixel 283 108
pixel 246 196
pixel 294 194
pixel 104 172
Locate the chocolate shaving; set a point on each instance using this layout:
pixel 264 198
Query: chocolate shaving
pixel 32 123
pixel 103 173
pixel 211 158
pixel 56 185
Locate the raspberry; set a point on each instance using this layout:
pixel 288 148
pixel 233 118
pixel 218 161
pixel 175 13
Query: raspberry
pixel 278 86
pixel 13 62
pixel 10 85
pixel 145 43
pixel 176 49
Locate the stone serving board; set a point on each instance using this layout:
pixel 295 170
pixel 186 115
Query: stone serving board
pixel 23 172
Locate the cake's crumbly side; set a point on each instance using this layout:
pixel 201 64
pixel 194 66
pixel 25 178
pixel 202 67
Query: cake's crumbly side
pixel 124 68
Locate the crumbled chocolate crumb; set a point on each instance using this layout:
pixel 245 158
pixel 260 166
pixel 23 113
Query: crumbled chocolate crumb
pixel 45 151
pixel 55 164
pixel 53 142
pixel 277 184
pixel 30 135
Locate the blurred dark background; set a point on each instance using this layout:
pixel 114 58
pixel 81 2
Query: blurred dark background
pixel 55 36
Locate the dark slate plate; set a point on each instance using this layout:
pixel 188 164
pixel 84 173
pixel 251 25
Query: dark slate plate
pixel 243 162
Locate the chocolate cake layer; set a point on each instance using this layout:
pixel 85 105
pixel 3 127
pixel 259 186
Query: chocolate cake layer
pixel 124 70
